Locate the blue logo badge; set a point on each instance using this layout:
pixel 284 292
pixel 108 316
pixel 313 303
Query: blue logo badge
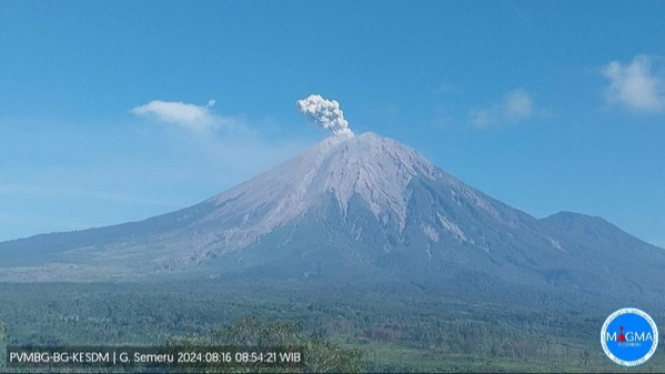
pixel 629 337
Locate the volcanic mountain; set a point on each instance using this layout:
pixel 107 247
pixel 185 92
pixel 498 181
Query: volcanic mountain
pixel 354 209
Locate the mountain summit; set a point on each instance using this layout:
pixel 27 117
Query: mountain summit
pixel 353 208
pixel 376 170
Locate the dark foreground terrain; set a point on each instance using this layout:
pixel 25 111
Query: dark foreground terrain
pixel 373 329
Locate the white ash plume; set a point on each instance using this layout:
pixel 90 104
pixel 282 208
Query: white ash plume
pixel 325 113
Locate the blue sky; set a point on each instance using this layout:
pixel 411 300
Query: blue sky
pixel 105 111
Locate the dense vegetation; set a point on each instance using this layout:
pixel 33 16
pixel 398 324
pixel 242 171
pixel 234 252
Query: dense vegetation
pixel 347 329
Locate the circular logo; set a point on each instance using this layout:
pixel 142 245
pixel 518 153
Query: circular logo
pixel 629 337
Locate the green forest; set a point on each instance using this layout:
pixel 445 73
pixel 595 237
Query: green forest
pixel 341 329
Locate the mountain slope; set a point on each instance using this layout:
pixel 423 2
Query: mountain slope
pixel 362 208
pixel 618 258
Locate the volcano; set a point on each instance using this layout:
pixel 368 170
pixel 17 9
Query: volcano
pixel 354 209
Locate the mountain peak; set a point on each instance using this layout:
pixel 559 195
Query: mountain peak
pixel 377 169
pixel 374 168
pixel 366 139
pixel 569 219
pixel 370 136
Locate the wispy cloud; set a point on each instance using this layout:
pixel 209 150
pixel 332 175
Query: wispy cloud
pixel 516 106
pixel 192 117
pixel 97 175
pixel 635 86
pixel 29 190
pixel 445 88
pixel 234 146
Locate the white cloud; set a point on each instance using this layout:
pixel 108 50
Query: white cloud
pixel 634 85
pixel 516 106
pixel 189 116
